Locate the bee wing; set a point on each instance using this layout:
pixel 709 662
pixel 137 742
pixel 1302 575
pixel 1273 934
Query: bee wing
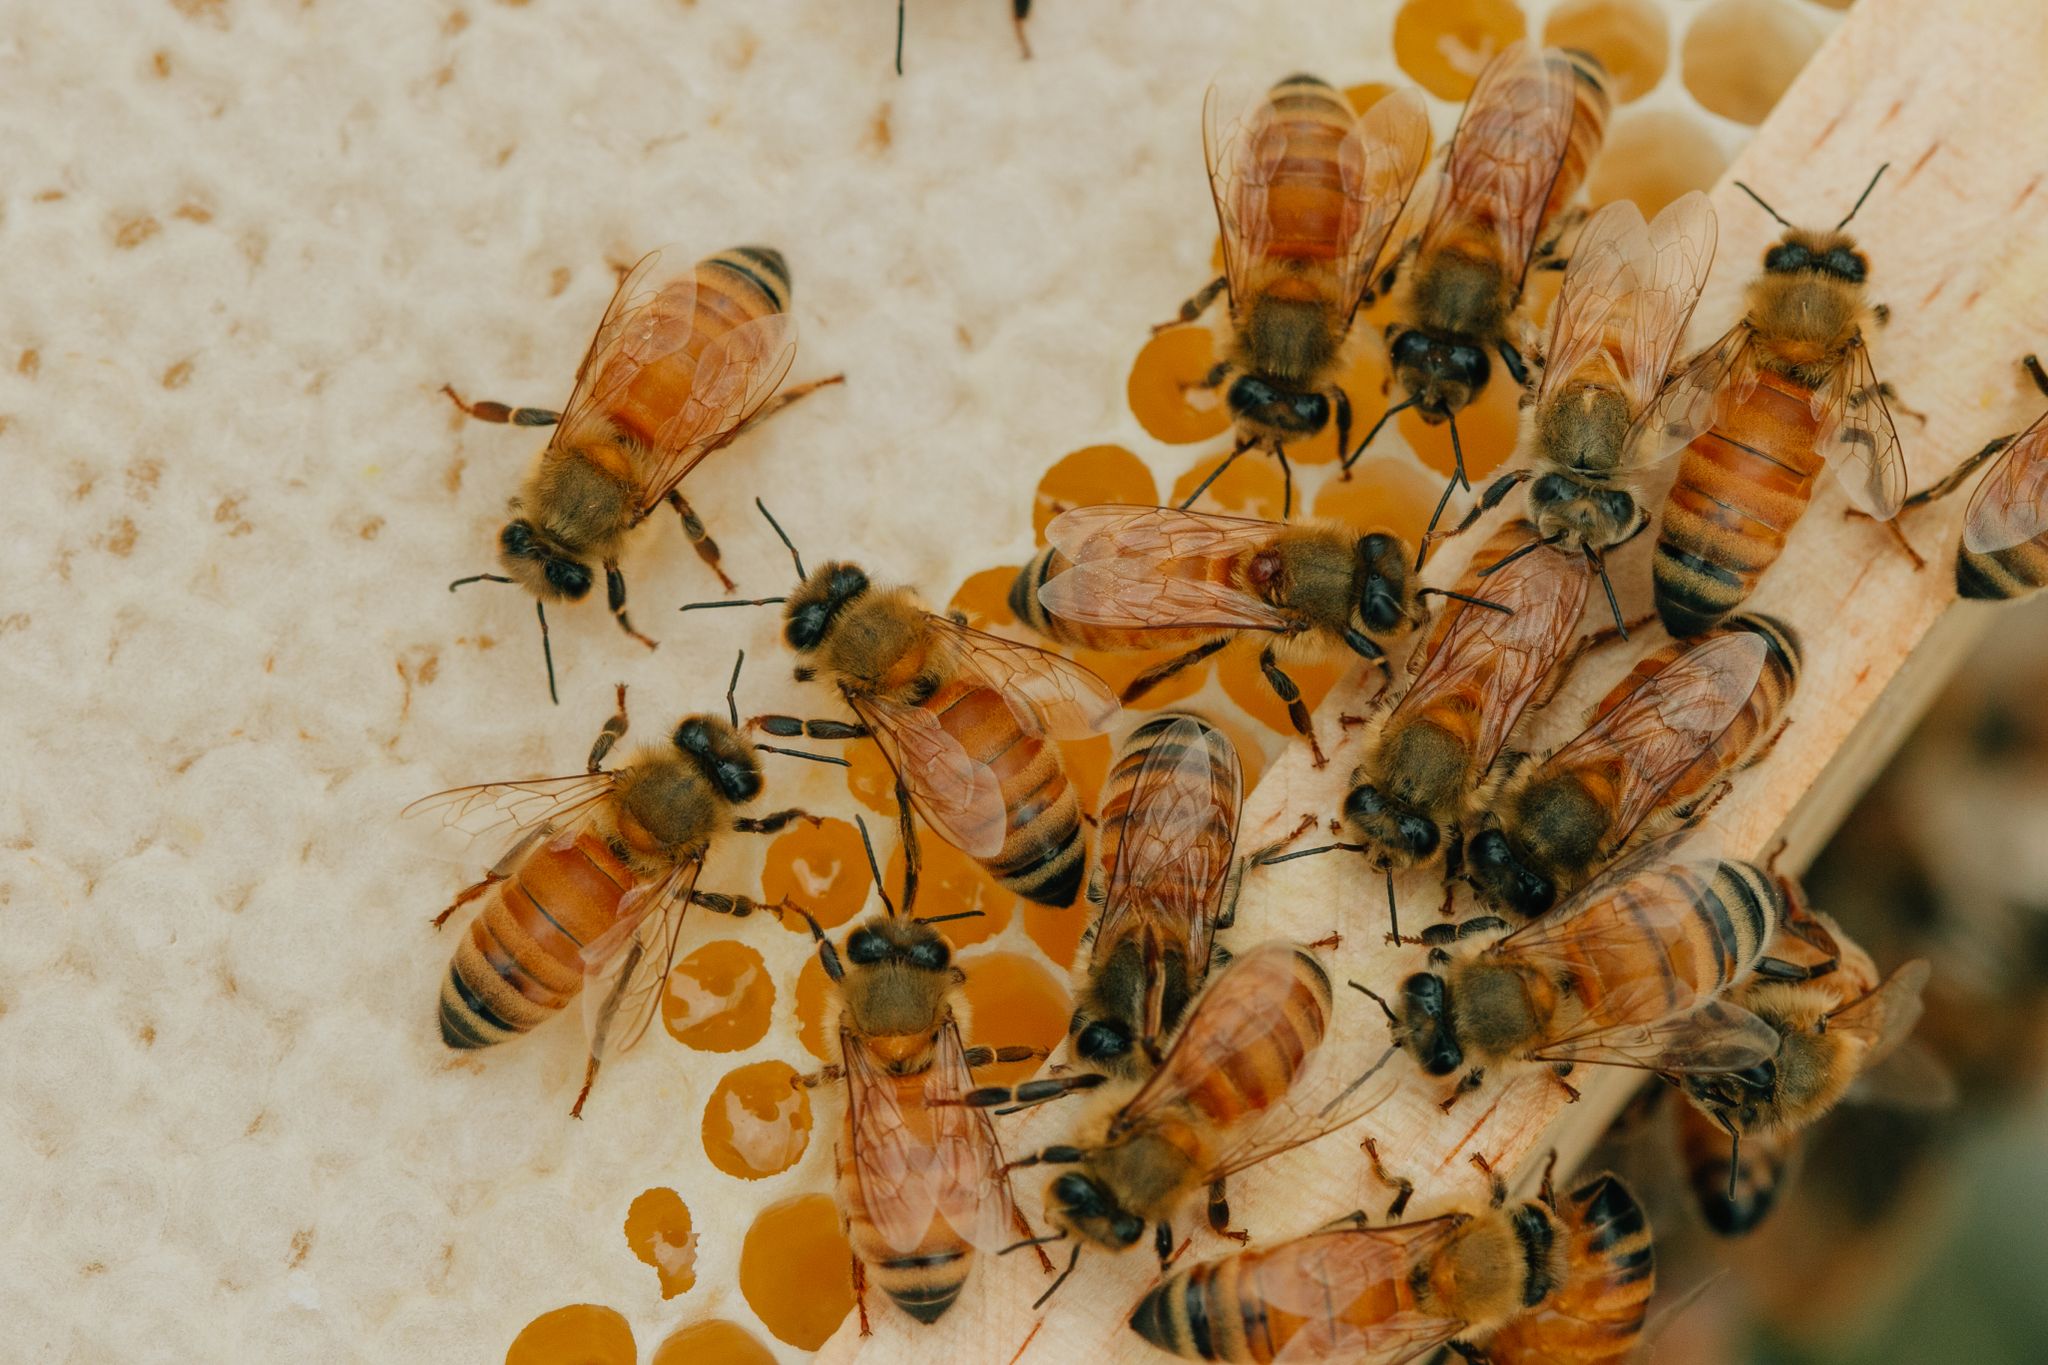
pixel 732 379
pixel 1718 1036
pixel 969 1185
pixel 1140 567
pixel 1883 1017
pixel 1323 1100
pixel 1242 156
pixel 516 812
pixel 1378 163
pixel 2010 507
pixel 1609 265
pixel 1722 372
pixel 1659 729
pixel 895 1165
pixel 1174 799
pixel 1857 437
pixel 631 310
pixel 1910 1077
pixel 1320 1277
pixel 1049 694
pixel 624 968
pixel 1679 243
pixel 1504 158
pixel 961 800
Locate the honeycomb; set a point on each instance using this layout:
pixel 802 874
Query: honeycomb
pixel 1691 80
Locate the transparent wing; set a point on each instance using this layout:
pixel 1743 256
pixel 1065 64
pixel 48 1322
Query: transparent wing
pixel 1648 740
pixel 1679 244
pixel 960 799
pixel 1321 1278
pixel 1378 163
pixel 1857 437
pixel 1138 568
pixel 1327 1096
pixel 1911 1077
pixel 1232 1014
pixel 1882 1018
pixel 894 1163
pixel 515 812
pixel 734 377
pixel 624 968
pixel 1504 158
pixel 1609 264
pixel 1718 1036
pixel 2010 507
pixel 1242 152
pixel 1050 695
pixel 968 1184
pixel 598 381
pixel 1723 372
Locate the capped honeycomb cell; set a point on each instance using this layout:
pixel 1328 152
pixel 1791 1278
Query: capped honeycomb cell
pixel 757 1123
pixel 712 1342
pixel 1630 37
pixel 795 1270
pixel 1654 156
pixel 1444 44
pixel 1739 55
pixel 720 998
pixel 658 1231
pixel 579 1334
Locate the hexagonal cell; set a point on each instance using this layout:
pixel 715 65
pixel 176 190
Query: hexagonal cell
pixel 578 1334
pixel 1739 55
pixel 757 1123
pixel 794 1270
pixel 658 1231
pixel 1252 487
pixel 950 882
pixel 1630 37
pixel 712 1342
pixel 1654 156
pixel 1444 44
pixel 720 998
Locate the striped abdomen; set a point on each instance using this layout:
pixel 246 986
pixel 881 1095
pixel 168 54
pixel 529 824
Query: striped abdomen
pixel 1043 854
pixel 1209 819
pixel 1742 486
pixel 925 1280
pixel 1049 563
pixel 1611 1271
pixel 521 960
pixel 1763 1164
pixel 719 294
pixel 1245 1071
pixel 2002 575
pixel 1591 103
pixel 1695 954
pixel 1302 211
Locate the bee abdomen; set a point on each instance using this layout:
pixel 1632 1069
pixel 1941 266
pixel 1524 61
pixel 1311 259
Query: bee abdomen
pixel 1044 854
pixel 761 266
pixel 1202 1314
pixel 2002 575
pixel 1742 909
pixel 1592 101
pixel 923 1286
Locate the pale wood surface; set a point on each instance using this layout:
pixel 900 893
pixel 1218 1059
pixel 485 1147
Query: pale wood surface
pixel 1951 96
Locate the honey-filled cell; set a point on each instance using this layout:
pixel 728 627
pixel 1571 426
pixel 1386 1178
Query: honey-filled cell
pixel 1365 95
pixel 1487 430
pixel 822 868
pixel 1121 668
pixel 1015 1002
pixel 579 1334
pixel 869 778
pixel 1087 764
pixel 1444 44
pixel 1654 157
pixel 950 882
pixel 720 998
pixel 757 1123
pixel 1384 492
pixel 658 1232
pixel 1090 476
pixel 1630 37
pixel 1165 388
pixel 984 598
pixel 1237 668
pixel 1739 55
pixel 711 1342
pixel 1252 487
pixel 795 1270
pixel 813 992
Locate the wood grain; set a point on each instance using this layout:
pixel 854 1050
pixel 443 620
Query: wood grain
pixel 1950 95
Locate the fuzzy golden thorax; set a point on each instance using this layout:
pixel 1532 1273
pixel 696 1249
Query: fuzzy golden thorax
pixel 1454 310
pixel 668 800
pixel 574 508
pixel 1475 1011
pixel 1498 1266
pixel 1125 1181
pixel 1535 840
pixel 1336 581
pixel 1810 305
pixel 1812 1071
pixel 871 641
pixel 899 989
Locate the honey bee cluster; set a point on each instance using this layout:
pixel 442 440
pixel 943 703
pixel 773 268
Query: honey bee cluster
pixel 1600 935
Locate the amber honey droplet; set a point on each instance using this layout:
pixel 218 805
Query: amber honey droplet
pixel 719 998
pixel 869 777
pixel 1655 156
pixel 658 1231
pixel 1093 475
pixel 1384 492
pixel 1487 429
pixel 1016 1002
pixel 1087 764
pixel 712 1342
pixel 1238 670
pixel 1164 388
pixel 1251 487
pixel 985 598
pixel 1444 44
pixel 1739 55
pixel 823 869
pixel 580 1334
pixel 950 882
pixel 812 993
pixel 795 1270
pixel 756 1122
pixel 1629 37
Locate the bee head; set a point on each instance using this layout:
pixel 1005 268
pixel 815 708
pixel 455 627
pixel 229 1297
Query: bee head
pixel 808 617
pixel 1833 254
pixel 1404 837
pixel 1382 582
pixel 1078 1202
pixel 898 988
pixel 722 754
pixel 545 570
pixel 1501 877
pixel 1584 514
pixel 1104 1042
pixel 1426 1025
pixel 1440 376
pixel 1274 412
pixel 1742 1101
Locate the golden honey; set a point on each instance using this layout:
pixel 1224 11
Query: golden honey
pixel 1653 157
pixel 1486 429
pixel 1739 55
pixel 949 882
pixel 1444 44
pixel 1251 487
pixel 1630 37
pixel 823 869
pixel 658 1231
pixel 795 1270
pixel 1093 475
pixel 1384 492
pixel 757 1123
pixel 712 1342
pixel 1237 668
pixel 580 1334
pixel 720 998
pixel 1165 388
pixel 1016 1002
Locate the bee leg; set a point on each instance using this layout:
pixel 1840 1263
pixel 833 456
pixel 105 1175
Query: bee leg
pixel 738 906
pixel 1956 477
pixel 1517 367
pixel 1881 314
pixel 1031 1093
pixel 1341 401
pixel 769 824
pixel 822 1076
pixel 1020 10
pixel 468 894
pixel 700 539
pixel 1297 710
pixel 613 730
pixel 589 1079
pixel 1159 673
pixel 1219 1215
pixel 500 412
pixel 1571 1092
pixel 1023 1225
pixel 1495 493
pixel 1497 1188
pixel 1473 1355
pixel 1401 1185
pixel 989 1056
pixel 615 594
pixel 1468 1082
pixel 784 399
pixel 791 727
pixel 1197 304
pixel 860 1295
pixel 1162 1245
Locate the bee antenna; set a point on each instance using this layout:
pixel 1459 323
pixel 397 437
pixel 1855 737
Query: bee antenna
pixel 1501 607
pixel 1863 196
pixel 874 868
pixel 1033 1242
pixel 1766 207
pixel 1600 564
pixel 1526 547
pixel 1385 417
pixel 478 578
pixel 732 707
pixel 941 919
pixel 782 536
pixel 1371 1071
pixel 1377 999
pixel 1240 448
pixel 899 37
pixel 2036 373
pixel 547 651
pixel 1393 915
pixel 732 602
pixel 801 753
pixel 1072 1261
pixel 1734 1159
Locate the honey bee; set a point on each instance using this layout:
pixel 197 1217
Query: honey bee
pixel 1125 578
pixel 1535 1281
pixel 1657 754
pixel 2003 554
pixel 1628 973
pixel 1306 196
pixel 588 898
pixel 1595 424
pixel 1735 1185
pixel 922 1185
pixel 674 373
pixel 966 720
pixel 1428 754
pixel 1833 1021
pixel 1534 121
pixel 1791 389
pixel 1163 885
pixel 1229 1093
pixel 1020 10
